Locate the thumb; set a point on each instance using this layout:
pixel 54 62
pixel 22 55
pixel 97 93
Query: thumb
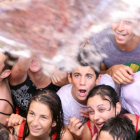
pixel 94 137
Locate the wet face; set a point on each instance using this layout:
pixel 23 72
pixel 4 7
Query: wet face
pixel 104 135
pixel 39 119
pixel 83 80
pixel 100 110
pixel 35 66
pixel 124 31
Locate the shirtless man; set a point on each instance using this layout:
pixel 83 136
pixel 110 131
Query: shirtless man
pixel 6 104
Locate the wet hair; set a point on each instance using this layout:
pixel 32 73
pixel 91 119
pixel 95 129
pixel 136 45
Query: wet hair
pixel 5 131
pixel 9 62
pixel 105 91
pixel 52 100
pixel 120 128
pixel 138 135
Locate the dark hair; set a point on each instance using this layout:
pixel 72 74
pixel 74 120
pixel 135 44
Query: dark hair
pixel 5 131
pixel 10 61
pixel 120 127
pixel 83 60
pixel 52 100
pixel 138 135
pixel 103 91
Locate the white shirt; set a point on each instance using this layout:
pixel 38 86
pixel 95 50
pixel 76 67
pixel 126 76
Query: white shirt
pixel 70 106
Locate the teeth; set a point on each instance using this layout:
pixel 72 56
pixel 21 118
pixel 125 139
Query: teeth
pixel 82 91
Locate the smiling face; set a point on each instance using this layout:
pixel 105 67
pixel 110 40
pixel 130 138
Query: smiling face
pixel 35 66
pixel 39 119
pixel 83 80
pixel 100 110
pixel 124 31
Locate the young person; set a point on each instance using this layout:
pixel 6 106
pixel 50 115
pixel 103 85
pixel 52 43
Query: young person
pixel 122 46
pixel 27 78
pixel 103 104
pixel 6 103
pixel 117 128
pixel 44 119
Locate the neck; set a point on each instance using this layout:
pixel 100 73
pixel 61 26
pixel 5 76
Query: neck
pixel 39 79
pixel 129 46
pixel 44 137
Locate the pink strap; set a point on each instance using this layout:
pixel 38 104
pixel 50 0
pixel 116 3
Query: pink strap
pixel 137 122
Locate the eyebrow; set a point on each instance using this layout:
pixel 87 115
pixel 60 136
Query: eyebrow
pixel 97 106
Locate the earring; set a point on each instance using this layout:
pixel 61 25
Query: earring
pixel 54 125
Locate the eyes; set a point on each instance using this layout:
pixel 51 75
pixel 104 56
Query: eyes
pixel 43 117
pixel 89 76
pixel 128 22
pixel 101 110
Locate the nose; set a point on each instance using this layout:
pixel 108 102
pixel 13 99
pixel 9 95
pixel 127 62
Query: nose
pixel 96 116
pixel 121 26
pixel 82 81
pixel 35 121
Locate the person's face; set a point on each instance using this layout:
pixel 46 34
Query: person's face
pixel 100 110
pixel 104 135
pixel 2 60
pixel 83 80
pixel 39 119
pixel 35 66
pixel 124 31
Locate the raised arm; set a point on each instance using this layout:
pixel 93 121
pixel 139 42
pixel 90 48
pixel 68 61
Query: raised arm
pixel 19 71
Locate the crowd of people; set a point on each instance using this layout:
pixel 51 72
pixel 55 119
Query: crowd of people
pixel 84 104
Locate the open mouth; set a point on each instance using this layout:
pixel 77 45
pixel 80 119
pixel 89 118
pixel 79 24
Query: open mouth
pixel 33 63
pixel 35 129
pixel 100 124
pixel 120 36
pixel 82 92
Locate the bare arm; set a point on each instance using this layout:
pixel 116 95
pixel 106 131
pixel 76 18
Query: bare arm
pixel 19 71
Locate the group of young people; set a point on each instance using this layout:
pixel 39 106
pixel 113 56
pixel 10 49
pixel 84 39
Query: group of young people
pixel 80 105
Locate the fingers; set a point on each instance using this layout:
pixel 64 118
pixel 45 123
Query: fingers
pixel 15 119
pixel 75 127
pixel 122 74
pixel 94 137
pixel 84 113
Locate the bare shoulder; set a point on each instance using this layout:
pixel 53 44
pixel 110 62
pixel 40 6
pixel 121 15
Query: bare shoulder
pixel 67 135
pixel 133 118
pixel 86 133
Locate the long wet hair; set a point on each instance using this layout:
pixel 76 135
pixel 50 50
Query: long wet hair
pixel 52 100
pixel 106 91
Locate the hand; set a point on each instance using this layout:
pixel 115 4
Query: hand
pixel 75 127
pixel 15 119
pixel 121 74
pixel 60 78
pixel 94 137
pixel 84 113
